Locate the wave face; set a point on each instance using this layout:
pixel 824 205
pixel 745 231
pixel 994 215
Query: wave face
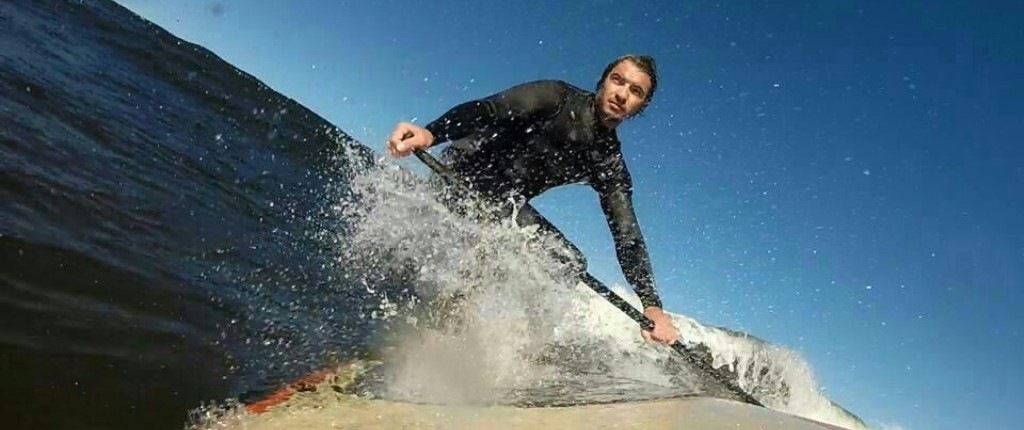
pixel 174 232
pixel 153 234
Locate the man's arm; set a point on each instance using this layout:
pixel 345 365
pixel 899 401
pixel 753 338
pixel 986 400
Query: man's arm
pixel 520 103
pixel 617 203
pixel 616 191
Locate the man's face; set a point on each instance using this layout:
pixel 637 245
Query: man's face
pixel 623 92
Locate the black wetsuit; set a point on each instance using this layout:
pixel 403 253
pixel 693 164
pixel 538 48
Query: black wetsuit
pixel 537 136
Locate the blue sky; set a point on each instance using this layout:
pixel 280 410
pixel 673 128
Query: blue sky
pixel 837 177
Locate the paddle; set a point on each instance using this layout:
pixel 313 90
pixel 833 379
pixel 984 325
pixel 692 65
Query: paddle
pixel 605 292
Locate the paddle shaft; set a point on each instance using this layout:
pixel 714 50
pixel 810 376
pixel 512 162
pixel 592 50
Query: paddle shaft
pixel 607 293
pixel 681 348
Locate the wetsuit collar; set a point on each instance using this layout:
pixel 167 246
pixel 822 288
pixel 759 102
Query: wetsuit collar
pixel 596 115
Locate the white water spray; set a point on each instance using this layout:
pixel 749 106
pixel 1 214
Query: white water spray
pixel 514 303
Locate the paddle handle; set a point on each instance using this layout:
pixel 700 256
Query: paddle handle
pixel 432 162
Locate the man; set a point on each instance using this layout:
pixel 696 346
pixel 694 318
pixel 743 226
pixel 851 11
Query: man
pixel 518 143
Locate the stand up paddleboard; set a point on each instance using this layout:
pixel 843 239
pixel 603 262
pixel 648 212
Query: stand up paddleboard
pixel 326 399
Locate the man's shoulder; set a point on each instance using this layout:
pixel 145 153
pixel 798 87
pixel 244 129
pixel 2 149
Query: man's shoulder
pixel 556 85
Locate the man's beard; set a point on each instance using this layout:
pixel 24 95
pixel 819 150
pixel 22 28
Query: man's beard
pixel 604 113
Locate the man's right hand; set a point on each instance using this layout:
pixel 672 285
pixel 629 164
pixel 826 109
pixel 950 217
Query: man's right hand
pixel 408 137
pixel 664 330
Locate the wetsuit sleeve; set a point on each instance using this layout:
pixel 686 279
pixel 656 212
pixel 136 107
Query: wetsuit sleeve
pixel 616 194
pixel 520 103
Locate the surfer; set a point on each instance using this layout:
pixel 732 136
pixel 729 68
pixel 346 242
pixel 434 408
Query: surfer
pixel 518 143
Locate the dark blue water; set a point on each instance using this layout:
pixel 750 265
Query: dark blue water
pixel 158 227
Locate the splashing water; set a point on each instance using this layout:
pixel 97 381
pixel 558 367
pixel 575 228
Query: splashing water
pixel 503 316
pixel 490 284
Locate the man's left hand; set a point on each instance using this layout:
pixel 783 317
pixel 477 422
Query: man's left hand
pixel 664 331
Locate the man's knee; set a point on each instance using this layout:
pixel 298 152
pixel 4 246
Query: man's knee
pixel 564 251
pixel 572 256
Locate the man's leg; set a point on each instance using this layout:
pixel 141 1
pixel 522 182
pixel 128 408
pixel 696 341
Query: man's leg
pixel 528 216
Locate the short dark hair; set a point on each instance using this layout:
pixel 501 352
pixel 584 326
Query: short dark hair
pixel 645 63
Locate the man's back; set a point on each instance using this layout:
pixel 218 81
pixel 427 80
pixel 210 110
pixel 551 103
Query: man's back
pixel 541 135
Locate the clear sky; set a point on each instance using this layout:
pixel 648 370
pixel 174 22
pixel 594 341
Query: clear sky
pixel 837 177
